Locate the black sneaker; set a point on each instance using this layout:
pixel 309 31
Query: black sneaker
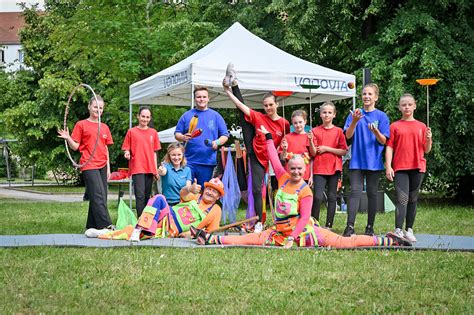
pixel 369 230
pixel 349 231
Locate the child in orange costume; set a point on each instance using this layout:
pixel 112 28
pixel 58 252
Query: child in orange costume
pixel 160 220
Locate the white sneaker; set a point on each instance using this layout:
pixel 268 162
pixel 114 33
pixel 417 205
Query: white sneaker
pixel 399 233
pixel 230 76
pixel 135 237
pixel 258 227
pixel 408 234
pixel 94 233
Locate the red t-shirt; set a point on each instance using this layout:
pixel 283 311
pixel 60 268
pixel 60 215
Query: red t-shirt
pixel 276 127
pixel 407 139
pixel 85 133
pixel 328 163
pixel 299 144
pixel 142 144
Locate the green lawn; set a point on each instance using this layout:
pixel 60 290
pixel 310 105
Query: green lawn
pixel 172 280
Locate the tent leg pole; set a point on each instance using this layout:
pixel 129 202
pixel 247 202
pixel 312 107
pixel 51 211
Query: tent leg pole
pixel 353 103
pixel 130 179
pixel 192 95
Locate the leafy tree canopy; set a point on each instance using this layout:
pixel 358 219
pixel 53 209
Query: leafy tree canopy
pixel 111 44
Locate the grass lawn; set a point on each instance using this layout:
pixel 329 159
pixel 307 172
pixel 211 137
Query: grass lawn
pixel 172 280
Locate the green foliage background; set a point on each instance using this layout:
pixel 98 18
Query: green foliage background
pixel 111 44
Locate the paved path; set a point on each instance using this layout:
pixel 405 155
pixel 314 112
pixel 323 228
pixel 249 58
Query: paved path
pixel 6 192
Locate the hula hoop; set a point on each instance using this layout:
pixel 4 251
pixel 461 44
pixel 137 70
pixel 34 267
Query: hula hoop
pixel 66 112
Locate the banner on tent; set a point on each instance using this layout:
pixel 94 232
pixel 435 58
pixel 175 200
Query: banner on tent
pixel 334 85
pixel 176 79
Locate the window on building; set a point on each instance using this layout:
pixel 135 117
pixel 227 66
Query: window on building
pixel 21 56
pixel 2 56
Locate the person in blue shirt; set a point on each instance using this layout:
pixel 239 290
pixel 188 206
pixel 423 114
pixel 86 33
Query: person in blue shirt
pixel 369 129
pixel 175 175
pixel 201 151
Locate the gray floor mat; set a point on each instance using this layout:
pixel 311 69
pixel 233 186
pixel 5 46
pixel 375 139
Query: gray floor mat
pixel 425 242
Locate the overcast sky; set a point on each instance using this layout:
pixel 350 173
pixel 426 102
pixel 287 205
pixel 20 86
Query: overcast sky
pixel 11 5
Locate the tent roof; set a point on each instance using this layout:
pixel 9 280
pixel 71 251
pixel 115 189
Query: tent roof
pixel 260 67
pixel 167 135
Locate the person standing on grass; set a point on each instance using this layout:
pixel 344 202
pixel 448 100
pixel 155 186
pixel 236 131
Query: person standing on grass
pixel 327 145
pixel 140 146
pixel 97 171
pixel 406 164
pixel 293 222
pixel 200 156
pixel 297 142
pixel 369 129
pixel 278 127
pixel 174 173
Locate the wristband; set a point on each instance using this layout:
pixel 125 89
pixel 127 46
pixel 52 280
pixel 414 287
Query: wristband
pixel 268 136
pixel 218 142
pixel 290 238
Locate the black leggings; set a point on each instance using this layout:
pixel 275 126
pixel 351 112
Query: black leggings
pixel 319 184
pixel 142 184
pixel 96 187
pixel 248 130
pixel 372 179
pixel 407 186
pixel 258 171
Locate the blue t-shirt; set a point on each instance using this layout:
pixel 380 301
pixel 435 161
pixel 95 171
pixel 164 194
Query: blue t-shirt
pixel 213 126
pixel 366 151
pixel 174 181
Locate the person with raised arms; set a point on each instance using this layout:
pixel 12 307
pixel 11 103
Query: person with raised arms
pixel 277 126
pixel 369 129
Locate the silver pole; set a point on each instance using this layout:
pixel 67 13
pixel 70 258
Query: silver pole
pixel 192 95
pixel 428 105
pixel 310 110
pixel 130 181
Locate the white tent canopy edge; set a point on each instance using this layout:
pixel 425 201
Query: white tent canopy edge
pixel 260 67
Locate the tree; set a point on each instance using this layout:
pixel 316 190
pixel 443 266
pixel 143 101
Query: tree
pixel 401 41
pixel 106 44
pixel 111 44
pixel 432 40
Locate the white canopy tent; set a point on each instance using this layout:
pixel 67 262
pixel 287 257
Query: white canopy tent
pixel 260 67
pixel 167 136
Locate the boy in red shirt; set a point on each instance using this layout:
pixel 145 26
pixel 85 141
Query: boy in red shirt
pixel 405 160
pixel 97 170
